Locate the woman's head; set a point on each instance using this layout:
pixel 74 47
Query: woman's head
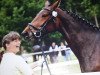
pixel 62 44
pixel 53 43
pixel 11 39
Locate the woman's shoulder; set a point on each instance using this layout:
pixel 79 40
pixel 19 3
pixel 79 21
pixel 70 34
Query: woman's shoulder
pixel 19 57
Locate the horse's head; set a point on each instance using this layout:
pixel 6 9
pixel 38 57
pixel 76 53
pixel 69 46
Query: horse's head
pixel 47 20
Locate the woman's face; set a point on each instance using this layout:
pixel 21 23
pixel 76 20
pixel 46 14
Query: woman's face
pixel 62 44
pixel 13 46
pixel 53 44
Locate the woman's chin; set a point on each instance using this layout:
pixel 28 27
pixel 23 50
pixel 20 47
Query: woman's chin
pixel 17 50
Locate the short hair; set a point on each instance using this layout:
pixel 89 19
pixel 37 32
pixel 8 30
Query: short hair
pixel 11 36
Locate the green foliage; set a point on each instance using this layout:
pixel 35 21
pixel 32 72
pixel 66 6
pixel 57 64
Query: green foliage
pixel 15 14
pixel 53 37
pixel 90 8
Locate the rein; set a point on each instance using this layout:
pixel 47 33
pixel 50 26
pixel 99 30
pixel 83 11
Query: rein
pixel 38 34
pixel 44 56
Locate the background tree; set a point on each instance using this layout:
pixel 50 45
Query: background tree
pixel 92 9
pixel 15 14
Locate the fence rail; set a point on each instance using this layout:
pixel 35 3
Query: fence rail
pixel 38 53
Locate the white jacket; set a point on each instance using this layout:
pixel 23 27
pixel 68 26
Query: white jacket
pixel 12 64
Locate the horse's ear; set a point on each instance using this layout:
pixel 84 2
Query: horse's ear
pixel 56 4
pixel 47 3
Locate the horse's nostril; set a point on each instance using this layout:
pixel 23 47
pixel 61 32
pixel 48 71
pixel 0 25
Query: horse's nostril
pixel 24 34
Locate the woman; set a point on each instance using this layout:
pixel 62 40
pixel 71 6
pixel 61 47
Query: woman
pixel 65 51
pixel 11 63
pixel 54 52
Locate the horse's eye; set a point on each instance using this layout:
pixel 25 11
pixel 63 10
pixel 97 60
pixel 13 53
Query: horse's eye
pixel 44 15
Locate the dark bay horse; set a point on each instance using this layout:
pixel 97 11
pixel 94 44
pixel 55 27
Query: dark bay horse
pixel 82 36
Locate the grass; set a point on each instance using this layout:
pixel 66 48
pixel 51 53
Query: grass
pixel 61 68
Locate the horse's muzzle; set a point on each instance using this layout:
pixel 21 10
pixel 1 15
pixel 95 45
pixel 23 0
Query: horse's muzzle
pixel 24 34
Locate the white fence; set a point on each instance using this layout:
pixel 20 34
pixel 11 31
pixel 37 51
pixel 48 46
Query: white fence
pixel 39 55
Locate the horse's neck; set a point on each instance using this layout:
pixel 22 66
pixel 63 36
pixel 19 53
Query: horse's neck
pixel 77 34
pixel 83 40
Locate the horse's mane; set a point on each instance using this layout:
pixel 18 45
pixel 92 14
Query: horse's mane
pixel 82 20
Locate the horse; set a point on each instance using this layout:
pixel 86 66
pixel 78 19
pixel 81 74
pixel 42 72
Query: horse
pixel 81 35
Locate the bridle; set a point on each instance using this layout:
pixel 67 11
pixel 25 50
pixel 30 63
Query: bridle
pixel 38 32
